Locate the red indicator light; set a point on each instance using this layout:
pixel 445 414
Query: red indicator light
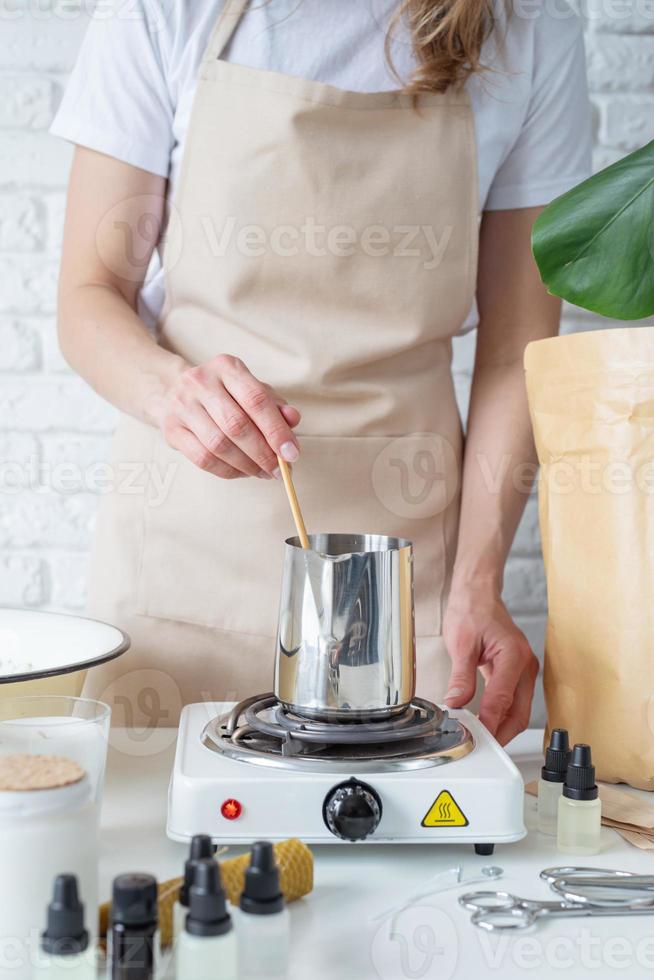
pixel 231 809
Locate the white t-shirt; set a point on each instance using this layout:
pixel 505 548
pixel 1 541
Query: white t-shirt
pixel 131 92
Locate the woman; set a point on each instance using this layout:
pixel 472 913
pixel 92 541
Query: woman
pixel 322 247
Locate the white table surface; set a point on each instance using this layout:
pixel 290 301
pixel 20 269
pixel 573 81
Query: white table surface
pixel 333 935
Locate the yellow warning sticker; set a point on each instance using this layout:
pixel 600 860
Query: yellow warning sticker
pixel 445 812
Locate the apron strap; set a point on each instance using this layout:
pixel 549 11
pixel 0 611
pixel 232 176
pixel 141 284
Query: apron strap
pixel 226 24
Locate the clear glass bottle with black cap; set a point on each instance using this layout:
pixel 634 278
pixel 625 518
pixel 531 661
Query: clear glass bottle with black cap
pixel 134 936
pixel 65 942
pixel 206 948
pixel 580 809
pixel 201 847
pixel 552 777
pixel 263 924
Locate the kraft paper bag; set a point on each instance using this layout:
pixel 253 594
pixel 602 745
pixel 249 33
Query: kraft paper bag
pixel 591 398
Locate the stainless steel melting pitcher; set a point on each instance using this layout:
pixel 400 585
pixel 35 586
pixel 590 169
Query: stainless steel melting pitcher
pixel 346 638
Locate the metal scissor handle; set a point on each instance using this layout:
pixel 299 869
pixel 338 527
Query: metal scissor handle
pixel 497 901
pixel 488 901
pixel 493 910
pixel 513 917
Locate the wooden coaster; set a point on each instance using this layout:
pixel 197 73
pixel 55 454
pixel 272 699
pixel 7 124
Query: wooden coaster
pixel 24 773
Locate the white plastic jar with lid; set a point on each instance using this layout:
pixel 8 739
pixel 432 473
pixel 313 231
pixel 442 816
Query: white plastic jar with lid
pixel 48 826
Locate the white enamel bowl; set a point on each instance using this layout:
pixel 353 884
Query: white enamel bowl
pixel 45 653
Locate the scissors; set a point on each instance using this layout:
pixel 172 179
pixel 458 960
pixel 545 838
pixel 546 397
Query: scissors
pixel 582 892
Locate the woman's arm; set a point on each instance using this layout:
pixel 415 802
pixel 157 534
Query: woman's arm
pixel 114 216
pixel 514 309
pixel 217 414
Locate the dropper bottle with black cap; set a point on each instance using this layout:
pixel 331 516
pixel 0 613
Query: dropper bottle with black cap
pixel 134 943
pixel 580 809
pixel 552 777
pixel 201 848
pixel 263 924
pixel 65 942
pixel 206 949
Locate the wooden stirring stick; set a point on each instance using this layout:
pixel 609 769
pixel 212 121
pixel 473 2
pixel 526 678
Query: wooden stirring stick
pixel 293 501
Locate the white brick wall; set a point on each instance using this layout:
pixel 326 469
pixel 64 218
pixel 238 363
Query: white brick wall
pixel 48 417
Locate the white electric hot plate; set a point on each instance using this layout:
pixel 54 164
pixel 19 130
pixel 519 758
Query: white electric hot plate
pixel 255 771
pixel 35 645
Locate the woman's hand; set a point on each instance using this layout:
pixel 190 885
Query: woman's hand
pixel 228 422
pixel 479 632
pixel 514 309
pixel 217 414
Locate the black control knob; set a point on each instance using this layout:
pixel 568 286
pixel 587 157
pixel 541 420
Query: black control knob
pixel 352 810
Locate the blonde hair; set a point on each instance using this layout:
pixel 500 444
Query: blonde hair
pixel 447 37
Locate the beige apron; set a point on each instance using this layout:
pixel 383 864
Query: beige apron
pixel 329 239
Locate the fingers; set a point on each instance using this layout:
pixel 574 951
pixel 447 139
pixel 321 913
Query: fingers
pixel 191 447
pixel 258 406
pixel 506 669
pixel 517 720
pixel 240 430
pixel 234 418
pixel 291 414
pixel 198 421
pixel 464 650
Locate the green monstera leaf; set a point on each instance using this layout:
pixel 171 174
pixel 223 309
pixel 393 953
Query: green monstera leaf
pixel 595 245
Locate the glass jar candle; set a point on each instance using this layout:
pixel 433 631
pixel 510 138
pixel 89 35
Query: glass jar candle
pixel 76 728
pixel 48 826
